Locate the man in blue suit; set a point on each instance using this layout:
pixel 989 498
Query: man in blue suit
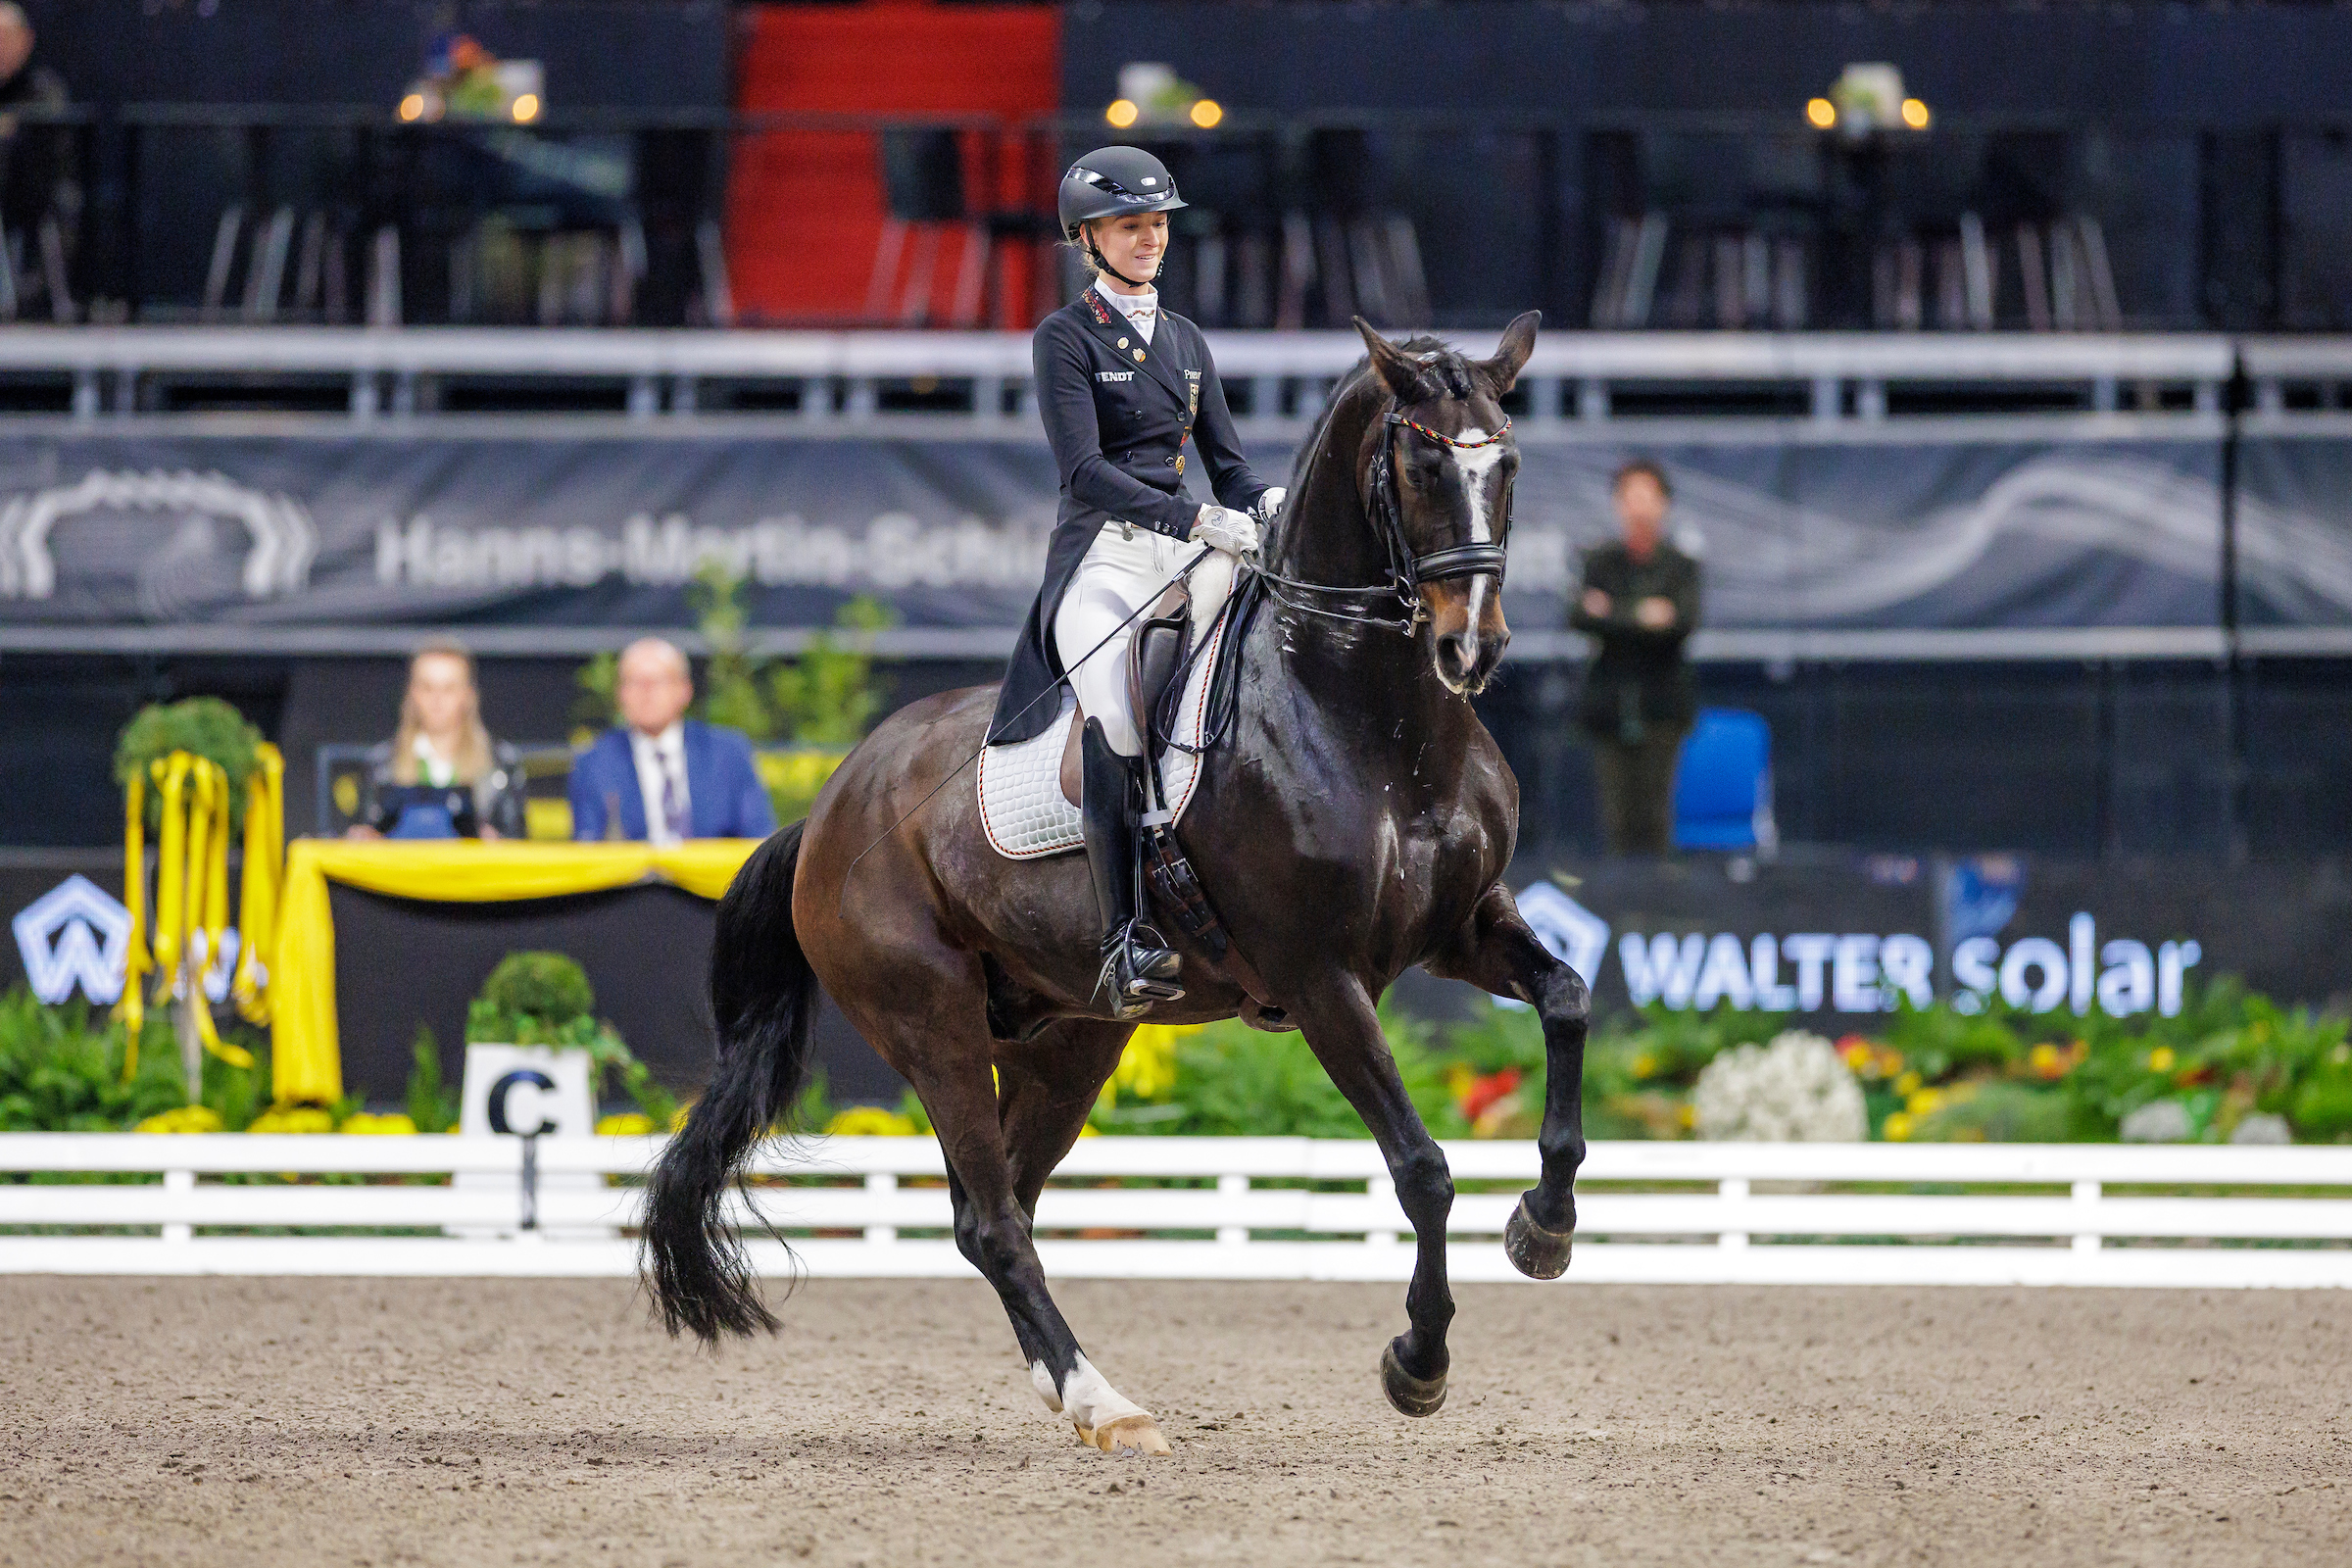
pixel 658 776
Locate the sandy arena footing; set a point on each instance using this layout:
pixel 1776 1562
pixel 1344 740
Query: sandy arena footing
pixel 388 1422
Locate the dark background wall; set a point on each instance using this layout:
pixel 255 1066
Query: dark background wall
pixel 2222 65
pixel 653 54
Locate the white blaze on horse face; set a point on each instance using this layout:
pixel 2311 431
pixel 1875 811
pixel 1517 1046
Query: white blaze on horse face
pixel 1476 464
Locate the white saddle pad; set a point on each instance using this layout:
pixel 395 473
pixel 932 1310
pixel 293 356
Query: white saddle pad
pixel 1021 803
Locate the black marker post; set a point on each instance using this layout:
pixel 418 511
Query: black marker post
pixel 530 1140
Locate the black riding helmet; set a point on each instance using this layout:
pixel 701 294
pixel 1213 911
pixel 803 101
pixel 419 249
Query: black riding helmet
pixel 1112 182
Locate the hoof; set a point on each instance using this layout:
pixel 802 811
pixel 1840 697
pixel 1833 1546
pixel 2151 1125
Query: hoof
pixel 1415 1396
pixel 1535 1252
pixel 1138 1432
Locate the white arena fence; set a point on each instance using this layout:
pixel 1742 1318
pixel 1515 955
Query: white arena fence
pixel 1273 1209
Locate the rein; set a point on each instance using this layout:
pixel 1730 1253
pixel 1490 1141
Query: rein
pixel 1407 571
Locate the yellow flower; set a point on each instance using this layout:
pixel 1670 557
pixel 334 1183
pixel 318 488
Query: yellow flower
pixel 185 1119
pixel 1688 1115
pixel 1459 1077
pixel 392 1126
pixel 2161 1060
pixel 869 1122
pixel 1890 1062
pixel 1146 1068
pixel 1924 1103
pixel 627 1124
pixel 1907 1085
pixel 2044 1059
pixel 293 1119
pixel 1897 1128
pixel 1644 1064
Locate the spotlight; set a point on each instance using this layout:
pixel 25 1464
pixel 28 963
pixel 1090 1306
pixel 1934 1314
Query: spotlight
pixel 1821 113
pixel 1207 112
pixel 413 107
pixel 1122 113
pixel 1915 114
pixel 525 108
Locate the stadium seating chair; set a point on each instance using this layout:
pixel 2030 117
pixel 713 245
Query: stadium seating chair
pixel 1723 788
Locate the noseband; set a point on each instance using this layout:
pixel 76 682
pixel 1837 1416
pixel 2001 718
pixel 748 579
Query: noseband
pixel 1407 571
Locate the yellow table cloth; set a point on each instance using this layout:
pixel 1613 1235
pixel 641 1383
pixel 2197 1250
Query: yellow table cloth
pixel 305 1050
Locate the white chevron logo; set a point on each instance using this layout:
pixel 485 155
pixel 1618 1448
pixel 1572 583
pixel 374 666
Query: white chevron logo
pixel 283 538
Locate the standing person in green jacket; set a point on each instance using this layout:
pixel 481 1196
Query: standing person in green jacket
pixel 1639 603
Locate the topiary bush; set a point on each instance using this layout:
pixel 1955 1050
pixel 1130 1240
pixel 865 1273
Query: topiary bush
pixel 205 725
pixel 544 999
pixel 549 987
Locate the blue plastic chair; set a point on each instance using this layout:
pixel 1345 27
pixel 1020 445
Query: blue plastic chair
pixel 1722 787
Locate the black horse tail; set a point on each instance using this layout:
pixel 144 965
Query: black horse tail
pixel 762 1001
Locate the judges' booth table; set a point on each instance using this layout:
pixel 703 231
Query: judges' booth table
pixel 378 938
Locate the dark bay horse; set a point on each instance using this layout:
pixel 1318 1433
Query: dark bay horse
pixel 1358 820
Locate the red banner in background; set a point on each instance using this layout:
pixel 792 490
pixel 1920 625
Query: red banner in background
pixel 807 210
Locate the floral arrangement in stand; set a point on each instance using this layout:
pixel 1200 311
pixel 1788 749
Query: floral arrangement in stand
pixel 544 999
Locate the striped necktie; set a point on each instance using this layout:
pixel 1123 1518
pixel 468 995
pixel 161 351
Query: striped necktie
pixel 673 798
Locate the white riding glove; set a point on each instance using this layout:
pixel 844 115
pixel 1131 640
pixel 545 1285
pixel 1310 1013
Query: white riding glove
pixel 1223 528
pixel 1269 504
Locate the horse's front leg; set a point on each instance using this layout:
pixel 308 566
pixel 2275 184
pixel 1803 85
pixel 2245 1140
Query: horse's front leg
pixel 1497 952
pixel 1344 1031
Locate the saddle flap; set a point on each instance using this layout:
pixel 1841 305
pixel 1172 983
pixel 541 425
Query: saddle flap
pixel 1155 656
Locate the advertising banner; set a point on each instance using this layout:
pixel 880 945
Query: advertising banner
pixel 2294 530
pixel 1838 940
pixel 407 528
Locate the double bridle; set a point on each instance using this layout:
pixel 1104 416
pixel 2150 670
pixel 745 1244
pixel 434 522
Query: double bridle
pixel 1407 571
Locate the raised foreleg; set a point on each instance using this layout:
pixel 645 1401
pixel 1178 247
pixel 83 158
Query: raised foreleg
pixel 1497 952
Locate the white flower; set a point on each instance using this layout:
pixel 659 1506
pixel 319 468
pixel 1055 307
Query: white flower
pixel 2263 1128
pixel 2159 1121
pixel 1795 1091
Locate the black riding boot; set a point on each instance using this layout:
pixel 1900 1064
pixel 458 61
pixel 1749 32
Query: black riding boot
pixel 1138 969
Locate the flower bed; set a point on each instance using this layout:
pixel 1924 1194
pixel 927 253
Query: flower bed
pixel 2233 1067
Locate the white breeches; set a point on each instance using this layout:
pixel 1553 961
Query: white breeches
pixel 1117 577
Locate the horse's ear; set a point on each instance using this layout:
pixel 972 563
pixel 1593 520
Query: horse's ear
pixel 1395 367
pixel 1510 356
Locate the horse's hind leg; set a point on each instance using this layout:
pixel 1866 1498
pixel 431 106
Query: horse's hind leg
pixel 1497 952
pixel 1045 1089
pixel 944 1051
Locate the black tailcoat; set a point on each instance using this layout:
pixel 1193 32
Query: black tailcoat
pixel 1118 411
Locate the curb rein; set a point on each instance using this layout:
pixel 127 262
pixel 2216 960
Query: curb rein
pixel 1407 571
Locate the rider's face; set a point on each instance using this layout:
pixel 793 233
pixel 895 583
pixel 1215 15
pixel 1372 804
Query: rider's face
pixel 1134 245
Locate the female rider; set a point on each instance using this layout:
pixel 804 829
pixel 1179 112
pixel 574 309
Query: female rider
pixel 1121 385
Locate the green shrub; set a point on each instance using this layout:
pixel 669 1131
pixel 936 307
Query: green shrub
pixel 1235 1081
pixel 549 987
pixel 544 999
pixel 1997 1112
pixel 1938 1039
pixel 2322 1107
pixel 60 1070
pixel 204 725
pixel 432 1105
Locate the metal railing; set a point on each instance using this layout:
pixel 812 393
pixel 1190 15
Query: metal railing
pixel 1243 1208
pixel 978 382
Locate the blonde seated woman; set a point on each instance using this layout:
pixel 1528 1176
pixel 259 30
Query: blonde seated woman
pixel 441 776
